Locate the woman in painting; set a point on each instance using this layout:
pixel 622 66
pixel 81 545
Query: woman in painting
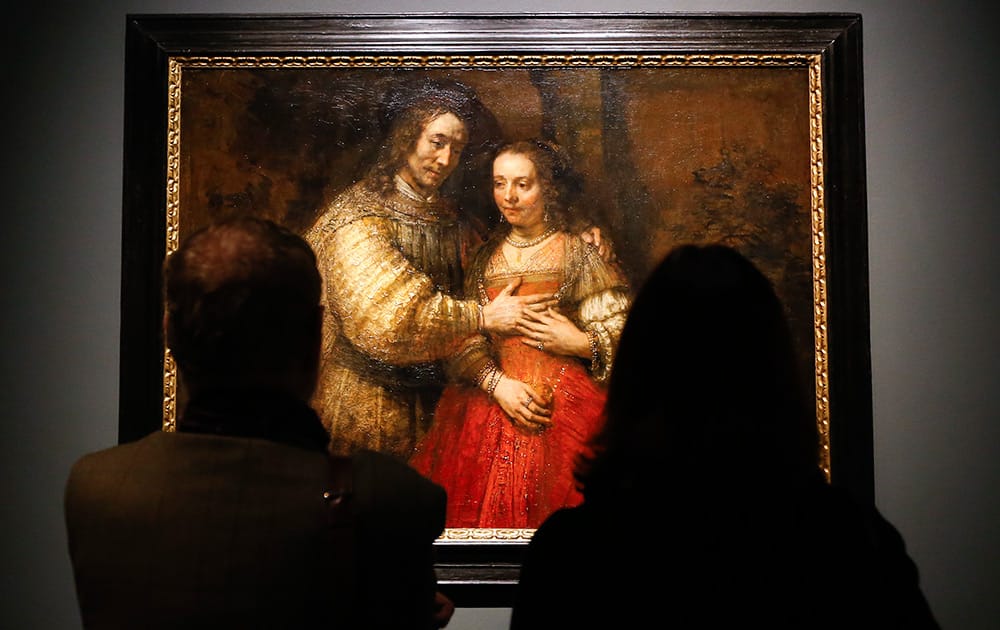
pixel 522 407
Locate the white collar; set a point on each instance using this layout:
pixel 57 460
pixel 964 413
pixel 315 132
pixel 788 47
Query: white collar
pixel 408 191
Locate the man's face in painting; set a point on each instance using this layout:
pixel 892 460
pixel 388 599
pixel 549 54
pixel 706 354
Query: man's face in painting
pixel 436 154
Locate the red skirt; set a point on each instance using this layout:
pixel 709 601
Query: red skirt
pixel 496 475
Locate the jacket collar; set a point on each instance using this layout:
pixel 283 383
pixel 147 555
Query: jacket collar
pixel 265 415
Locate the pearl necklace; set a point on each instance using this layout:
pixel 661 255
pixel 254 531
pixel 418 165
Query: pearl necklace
pixel 535 241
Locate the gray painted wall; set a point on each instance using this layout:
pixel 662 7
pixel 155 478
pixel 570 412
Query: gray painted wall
pixel 931 105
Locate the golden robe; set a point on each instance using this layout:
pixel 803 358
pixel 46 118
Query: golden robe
pixel 392 271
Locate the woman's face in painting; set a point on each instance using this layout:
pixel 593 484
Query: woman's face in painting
pixel 517 191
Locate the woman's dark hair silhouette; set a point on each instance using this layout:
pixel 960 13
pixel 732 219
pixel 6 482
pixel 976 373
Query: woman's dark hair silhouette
pixel 705 387
pixel 704 503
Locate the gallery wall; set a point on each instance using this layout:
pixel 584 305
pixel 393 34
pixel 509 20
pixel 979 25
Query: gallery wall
pixel 931 131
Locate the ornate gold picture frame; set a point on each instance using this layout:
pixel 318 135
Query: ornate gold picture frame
pixel 746 129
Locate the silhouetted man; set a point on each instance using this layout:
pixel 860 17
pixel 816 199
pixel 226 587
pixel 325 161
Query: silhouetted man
pixel 241 518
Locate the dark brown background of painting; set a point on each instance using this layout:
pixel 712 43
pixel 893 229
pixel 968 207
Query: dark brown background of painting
pixel 669 155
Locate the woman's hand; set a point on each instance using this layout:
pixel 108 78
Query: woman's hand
pixel 528 409
pixel 553 332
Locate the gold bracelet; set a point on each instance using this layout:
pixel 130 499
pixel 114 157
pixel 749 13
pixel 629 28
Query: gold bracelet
pixel 483 371
pixel 494 381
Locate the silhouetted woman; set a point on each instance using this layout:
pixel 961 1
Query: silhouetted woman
pixel 704 505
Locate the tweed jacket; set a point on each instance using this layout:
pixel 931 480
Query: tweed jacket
pixel 241 519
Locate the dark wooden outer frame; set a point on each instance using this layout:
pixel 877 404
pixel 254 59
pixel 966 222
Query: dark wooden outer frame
pixel 475 573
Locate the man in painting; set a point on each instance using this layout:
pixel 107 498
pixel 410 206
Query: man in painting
pixel 241 518
pixel 391 249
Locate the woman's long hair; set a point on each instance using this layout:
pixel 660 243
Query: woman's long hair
pixel 704 391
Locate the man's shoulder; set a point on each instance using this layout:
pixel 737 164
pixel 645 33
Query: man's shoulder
pixel 381 468
pixel 363 200
pixel 118 453
pixel 359 192
pixel 169 453
pixel 354 202
pixel 391 492
pixel 98 474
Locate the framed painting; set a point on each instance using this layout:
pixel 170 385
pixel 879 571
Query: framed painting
pixel 745 129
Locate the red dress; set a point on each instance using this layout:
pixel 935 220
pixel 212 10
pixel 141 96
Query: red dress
pixel 496 475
